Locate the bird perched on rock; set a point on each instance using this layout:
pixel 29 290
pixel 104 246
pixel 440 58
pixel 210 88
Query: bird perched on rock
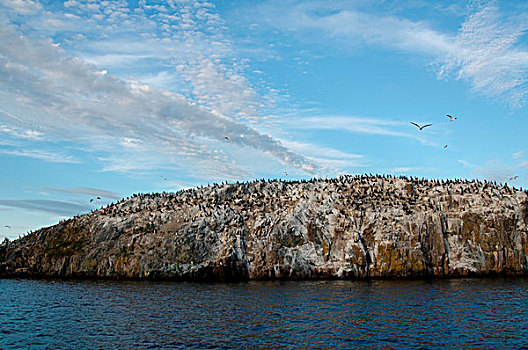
pixel 421 127
pixel 451 118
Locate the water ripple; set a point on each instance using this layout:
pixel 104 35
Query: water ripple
pixel 462 313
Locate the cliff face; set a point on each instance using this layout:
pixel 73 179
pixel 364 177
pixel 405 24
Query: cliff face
pixel 351 227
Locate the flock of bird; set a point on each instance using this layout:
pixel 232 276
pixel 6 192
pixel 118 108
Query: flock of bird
pixel 452 119
pixel 421 127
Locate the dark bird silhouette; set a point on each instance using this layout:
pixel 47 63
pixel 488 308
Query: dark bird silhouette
pixel 94 199
pixel 421 127
pixel 514 177
pixel 286 173
pixel 445 146
pixel 451 118
pixel 9 227
pixel 227 137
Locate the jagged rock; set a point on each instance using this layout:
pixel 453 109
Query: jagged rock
pixel 350 227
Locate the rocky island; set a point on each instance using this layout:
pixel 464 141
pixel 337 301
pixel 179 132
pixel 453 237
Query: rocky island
pixel 348 227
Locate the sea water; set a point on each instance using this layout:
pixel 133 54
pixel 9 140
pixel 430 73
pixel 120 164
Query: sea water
pixel 457 313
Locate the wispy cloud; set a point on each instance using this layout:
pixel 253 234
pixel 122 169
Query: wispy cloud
pixel 333 161
pixel 495 171
pixel 404 170
pixel 48 206
pixel 487 50
pixel 361 125
pixel 518 155
pixel 23 7
pixel 85 191
pixel 489 54
pixel 27 134
pixel 70 98
pixel 39 154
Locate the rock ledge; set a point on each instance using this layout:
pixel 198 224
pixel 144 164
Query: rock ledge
pixel 349 227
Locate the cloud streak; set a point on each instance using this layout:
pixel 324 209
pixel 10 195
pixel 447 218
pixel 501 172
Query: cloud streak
pixel 486 52
pixel 67 97
pixel 489 55
pixel 361 125
pixel 85 191
pixel 47 206
pixel 40 154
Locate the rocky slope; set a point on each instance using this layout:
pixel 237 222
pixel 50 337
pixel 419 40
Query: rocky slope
pixel 350 227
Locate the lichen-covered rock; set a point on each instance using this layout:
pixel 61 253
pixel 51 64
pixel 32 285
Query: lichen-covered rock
pixel 350 227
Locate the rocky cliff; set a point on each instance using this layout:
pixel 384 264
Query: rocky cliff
pixel 350 227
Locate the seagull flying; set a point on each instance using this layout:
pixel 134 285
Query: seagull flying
pixel 445 146
pixel 226 137
pixel 163 178
pixel 451 118
pixel 9 227
pixel 421 127
pixel 514 177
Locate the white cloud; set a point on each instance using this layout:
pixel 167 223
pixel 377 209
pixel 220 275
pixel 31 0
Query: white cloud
pixel 403 170
pixel 495 171
pixel 40 154
pixel 184 39
pixel 489 55
pixel 466 164
pixel 47 206
pixel 333 161
pixel 361 125
pixel 486 51
pixel 70 98
pixel 85 191
pixel 342 23
pixel 21 134
pixel 23 7
pixel 518 155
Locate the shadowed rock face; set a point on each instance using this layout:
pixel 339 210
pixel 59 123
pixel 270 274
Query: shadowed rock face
pixel 350 227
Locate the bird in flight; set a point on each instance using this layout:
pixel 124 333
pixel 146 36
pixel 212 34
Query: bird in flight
pixel 95 199
pixel 286 173
pixel 445 146
pixel 226 137
pixel 451 118
pixel 163 178
pixel 9 227
pixel 514 177
pixel 421 127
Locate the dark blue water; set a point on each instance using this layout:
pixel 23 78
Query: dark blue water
pixel 464 313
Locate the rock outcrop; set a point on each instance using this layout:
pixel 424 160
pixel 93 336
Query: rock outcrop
pixel 350 227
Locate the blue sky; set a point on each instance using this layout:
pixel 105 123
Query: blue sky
pixel 111 98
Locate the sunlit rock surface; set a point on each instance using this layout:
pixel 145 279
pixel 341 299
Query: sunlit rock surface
pixel 350 227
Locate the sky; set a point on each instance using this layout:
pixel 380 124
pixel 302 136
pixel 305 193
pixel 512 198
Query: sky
pixel 111 98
